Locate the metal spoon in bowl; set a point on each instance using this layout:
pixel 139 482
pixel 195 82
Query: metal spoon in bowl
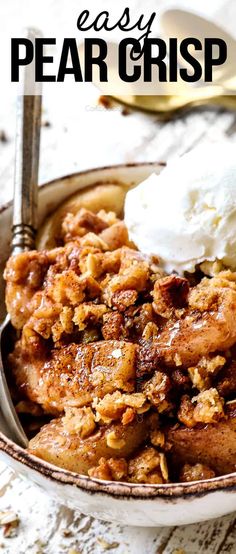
pixel 24 216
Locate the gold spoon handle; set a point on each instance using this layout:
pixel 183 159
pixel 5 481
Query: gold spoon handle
pixel 27 159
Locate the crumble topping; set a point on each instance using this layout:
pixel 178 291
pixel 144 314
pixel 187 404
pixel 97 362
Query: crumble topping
pixel 122 355
pixel 197 472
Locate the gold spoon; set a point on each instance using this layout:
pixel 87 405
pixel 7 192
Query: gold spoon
pixel 181 23
pixel 166 103
pixel 169 104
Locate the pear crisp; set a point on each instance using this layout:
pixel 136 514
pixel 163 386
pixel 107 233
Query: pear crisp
pixel 132 371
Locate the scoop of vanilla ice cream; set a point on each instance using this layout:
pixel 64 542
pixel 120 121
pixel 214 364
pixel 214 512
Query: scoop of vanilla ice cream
pixel 187 214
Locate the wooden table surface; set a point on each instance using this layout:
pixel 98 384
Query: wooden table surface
pixel 76 136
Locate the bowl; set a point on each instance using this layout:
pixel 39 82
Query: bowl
pixel 129 504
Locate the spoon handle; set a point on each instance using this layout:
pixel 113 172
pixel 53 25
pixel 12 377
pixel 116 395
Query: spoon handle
pixel 27 159
pixel 24 218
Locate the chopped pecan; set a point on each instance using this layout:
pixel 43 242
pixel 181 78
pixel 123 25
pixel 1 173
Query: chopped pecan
pixel 81 223
pixel 87 313
pixel 180 379
pixel 186 412
pixel 123 299
pixel 147 359
pixel 170 293
pixel 113 326
pixel 157 391
pixel 110 470
pixel 144 316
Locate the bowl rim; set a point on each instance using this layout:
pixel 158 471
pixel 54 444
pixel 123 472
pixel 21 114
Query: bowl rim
pixel 92 485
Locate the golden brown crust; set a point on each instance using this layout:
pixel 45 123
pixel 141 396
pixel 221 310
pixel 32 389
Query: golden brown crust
pixel 118 350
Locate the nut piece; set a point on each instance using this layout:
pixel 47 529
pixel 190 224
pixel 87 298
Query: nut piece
pixel 114 442
pixel 7 517
pixel 148 467
pixel 113 326
pixel 117 405
pixel 9 520
pixel 150 331
pixel 201 375
pixel 177 360
pixel 164 467
pixel 170 293
pixel 111 469
pixel 157 438
pixel 88 313
pixel 196 472
pixel 157 391
pixel 79 421
pixel 206 407
pixel 209 407
pixel 107 545
pixel 185 413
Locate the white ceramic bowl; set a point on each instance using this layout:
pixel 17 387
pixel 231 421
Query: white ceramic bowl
pixel 129 504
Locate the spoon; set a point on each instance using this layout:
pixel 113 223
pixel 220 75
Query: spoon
pixel 172 98
pixel 24 217
pixel 167 104
pixel 181 23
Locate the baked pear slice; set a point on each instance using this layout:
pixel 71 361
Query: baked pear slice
pixel 213 445
pixel 57 446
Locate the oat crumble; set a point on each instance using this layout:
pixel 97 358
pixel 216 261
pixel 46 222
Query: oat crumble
pixel 120 357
